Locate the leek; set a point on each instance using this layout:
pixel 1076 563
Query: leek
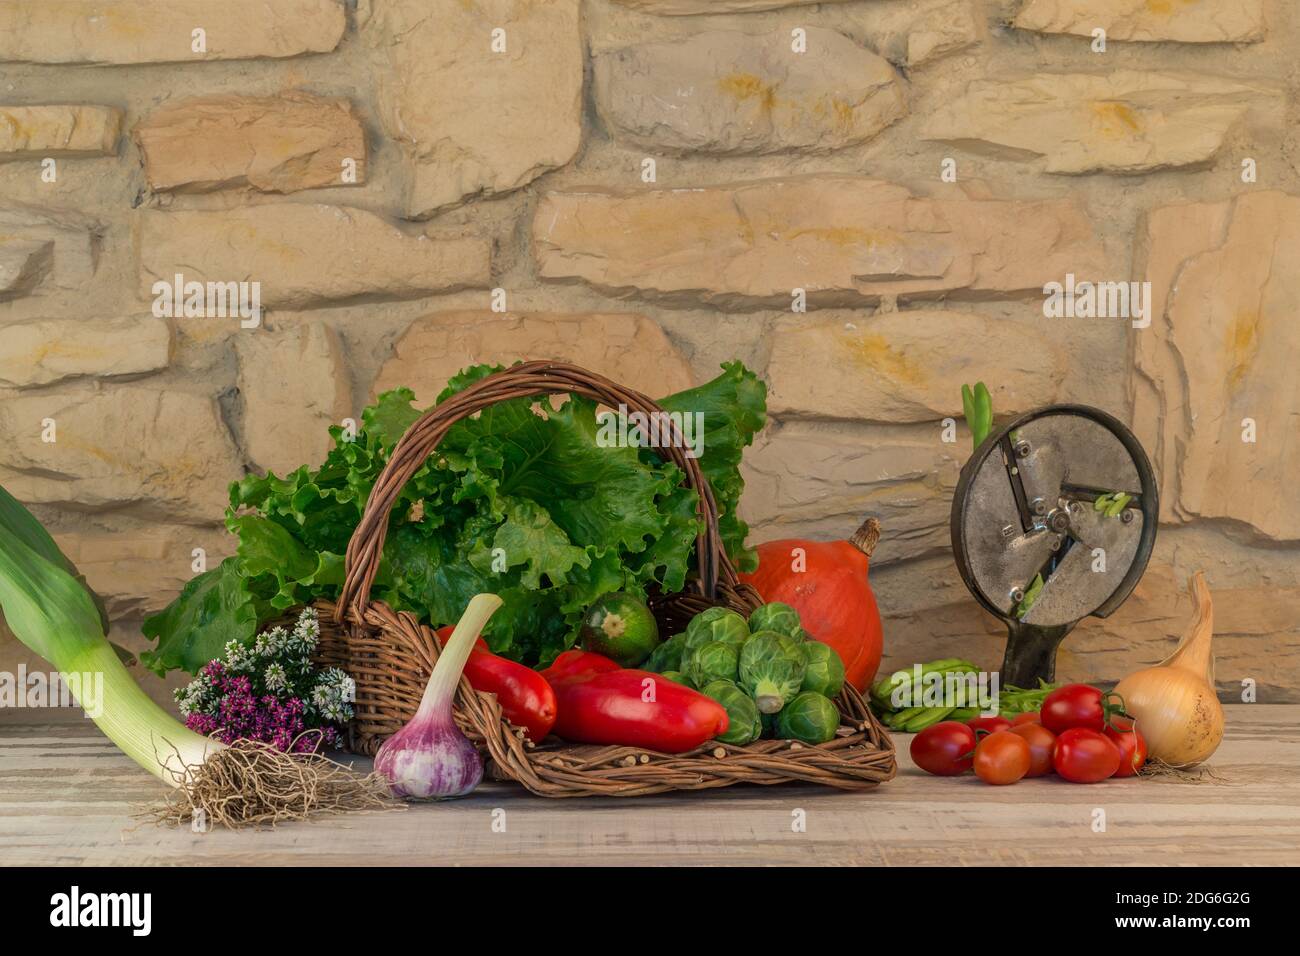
pixel 55 615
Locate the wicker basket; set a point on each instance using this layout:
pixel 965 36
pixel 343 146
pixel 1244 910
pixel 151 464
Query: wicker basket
pixel 390 654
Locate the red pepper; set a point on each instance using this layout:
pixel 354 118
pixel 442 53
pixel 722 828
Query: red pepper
pixel 525 697
pixel 601 703
pixel 578 665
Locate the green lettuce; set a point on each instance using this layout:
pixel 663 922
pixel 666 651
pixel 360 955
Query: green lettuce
pixel 521 500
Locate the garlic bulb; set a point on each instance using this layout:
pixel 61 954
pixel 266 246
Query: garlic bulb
pixel 430 758
pixel 1174 702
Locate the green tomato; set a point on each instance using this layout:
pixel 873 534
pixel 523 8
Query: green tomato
pixel 771 669
pixel 743 722
pixel 710 662
pixel 776 616
pixel 810 718
pixel 667 656
pixel 716 624
pixel 823 670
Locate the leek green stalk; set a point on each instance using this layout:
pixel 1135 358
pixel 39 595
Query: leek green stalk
pixel 55 615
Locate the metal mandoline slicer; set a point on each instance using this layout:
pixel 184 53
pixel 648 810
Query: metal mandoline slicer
pixel 1025 511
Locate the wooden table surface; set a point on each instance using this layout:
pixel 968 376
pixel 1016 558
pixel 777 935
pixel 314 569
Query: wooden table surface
pixel 67 795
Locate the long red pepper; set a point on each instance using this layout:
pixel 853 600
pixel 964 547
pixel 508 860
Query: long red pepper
pixel 602 703
pixel 526 698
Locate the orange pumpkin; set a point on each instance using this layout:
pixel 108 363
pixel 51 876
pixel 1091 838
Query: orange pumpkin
pixel 826 582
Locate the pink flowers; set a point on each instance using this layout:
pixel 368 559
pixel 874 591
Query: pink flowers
pixel 271 693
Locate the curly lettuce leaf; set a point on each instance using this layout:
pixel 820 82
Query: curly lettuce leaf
pixel 212 609
pixel 734 406
pixel 522 500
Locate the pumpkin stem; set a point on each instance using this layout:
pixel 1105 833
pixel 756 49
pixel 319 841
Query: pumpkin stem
pixel 867 537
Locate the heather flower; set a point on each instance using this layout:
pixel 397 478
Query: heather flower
pixel 271 692
pixel 237 657
pixel 274 677
pixel 306 632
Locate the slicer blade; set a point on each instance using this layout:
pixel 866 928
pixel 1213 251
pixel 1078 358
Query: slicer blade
pixel 1024 511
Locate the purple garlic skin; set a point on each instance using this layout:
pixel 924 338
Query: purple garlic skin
pixel 424 761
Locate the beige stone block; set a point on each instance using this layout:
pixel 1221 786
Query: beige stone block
pixel 28 132
pixel 627 348
pixel 42 351
pixel 1123 121
pixel 149 31
pixel 907 366
pixel 164 450
pixel 306 254
pixel 845 240
pixel 732 92
pixel 294 385
pixel 1202 21
pixel 475 121
pixel 276 144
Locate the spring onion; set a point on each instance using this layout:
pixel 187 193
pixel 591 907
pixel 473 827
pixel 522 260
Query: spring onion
pixel 55 615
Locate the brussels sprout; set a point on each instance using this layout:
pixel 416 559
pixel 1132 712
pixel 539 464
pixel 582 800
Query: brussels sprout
pixel 677 677
pixel 776 616
pixel 771 669
pixel 810 718
pixel 823 670
pixel 743 723
pixel 667 656
pixel 709 662
pixel 792 644
pixel 716 624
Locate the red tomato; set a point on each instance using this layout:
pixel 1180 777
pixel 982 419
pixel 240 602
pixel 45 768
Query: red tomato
pixel 1132 746
pixel 990 724
pixel 1029 717
pixel 1041 744
pixel 1084 756
pixel 1002 758
pixel 1074 705
pixel 944 749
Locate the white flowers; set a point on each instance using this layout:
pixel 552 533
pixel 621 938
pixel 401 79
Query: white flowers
pixel 333 695
pixel 274 678
pixel 193 696
pixel 238 657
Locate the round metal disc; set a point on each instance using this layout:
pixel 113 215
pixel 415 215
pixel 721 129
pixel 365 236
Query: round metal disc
pixel 1025 525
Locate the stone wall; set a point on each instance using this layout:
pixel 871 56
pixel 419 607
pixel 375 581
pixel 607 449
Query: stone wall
pixel 649 181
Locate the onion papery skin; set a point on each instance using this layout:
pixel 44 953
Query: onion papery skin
pixel 1177 712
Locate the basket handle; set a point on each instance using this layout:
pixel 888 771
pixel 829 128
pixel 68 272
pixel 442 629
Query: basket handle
pixel 529 379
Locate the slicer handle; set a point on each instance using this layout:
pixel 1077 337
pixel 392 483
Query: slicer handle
pixel 1031 653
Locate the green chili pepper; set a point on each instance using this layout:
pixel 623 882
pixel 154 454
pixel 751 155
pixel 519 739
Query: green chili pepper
pixel 1030 597
pixel 927 718
pixel 896 721
pixel 977 405
pixel 1112 504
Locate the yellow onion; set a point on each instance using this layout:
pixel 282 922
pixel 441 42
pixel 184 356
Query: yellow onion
pixel 1174 703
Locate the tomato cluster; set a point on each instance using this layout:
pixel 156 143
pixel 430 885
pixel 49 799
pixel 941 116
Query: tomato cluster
pixel 1077 735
